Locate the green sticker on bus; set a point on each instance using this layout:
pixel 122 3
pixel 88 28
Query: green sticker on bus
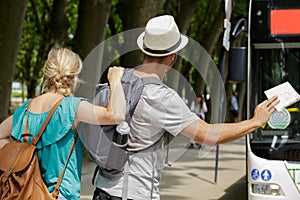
pixel 280 119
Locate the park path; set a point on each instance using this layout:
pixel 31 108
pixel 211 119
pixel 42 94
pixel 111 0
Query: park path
pixel 192 178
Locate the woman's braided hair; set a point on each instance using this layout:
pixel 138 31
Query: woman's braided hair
pixel 60 71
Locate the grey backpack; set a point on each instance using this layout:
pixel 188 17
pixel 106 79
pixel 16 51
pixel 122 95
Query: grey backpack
pixel 104 151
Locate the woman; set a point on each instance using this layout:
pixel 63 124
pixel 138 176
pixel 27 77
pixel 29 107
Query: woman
pixel 60 77
pixel 200 108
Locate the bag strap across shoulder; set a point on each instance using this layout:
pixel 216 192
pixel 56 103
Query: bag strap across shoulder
pixel 129 72
pixel 55 192
pixel 36 139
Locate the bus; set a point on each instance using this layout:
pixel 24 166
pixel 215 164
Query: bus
pixel 273 58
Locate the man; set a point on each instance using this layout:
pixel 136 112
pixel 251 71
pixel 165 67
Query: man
pixel 161 109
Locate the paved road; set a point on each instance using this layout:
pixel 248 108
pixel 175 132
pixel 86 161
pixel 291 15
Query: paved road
pixel 192 178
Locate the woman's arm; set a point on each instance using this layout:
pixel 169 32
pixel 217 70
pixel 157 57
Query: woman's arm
pixel 117 103
pixel 212 134
pixel 115 111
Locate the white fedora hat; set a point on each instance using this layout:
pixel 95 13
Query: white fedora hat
pixel 161 37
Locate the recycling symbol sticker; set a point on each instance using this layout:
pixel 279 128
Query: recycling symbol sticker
pixel 280 119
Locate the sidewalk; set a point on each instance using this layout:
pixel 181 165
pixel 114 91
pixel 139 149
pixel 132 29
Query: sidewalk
pixel 191 178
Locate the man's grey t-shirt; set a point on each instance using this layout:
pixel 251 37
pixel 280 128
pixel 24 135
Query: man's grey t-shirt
pixel 159 109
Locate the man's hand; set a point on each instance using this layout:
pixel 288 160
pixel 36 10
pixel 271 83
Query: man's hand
pixel 264 110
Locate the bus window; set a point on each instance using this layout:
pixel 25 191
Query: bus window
pixel 276 66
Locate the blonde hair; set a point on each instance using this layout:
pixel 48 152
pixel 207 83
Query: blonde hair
pixel 60 71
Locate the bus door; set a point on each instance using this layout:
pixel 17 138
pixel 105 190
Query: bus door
pixel 273 151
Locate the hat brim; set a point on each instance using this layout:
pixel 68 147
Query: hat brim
pixel 183 43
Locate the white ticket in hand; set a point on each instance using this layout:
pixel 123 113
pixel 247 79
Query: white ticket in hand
pixel 287 95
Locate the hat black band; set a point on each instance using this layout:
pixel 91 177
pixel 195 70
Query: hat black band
pixel 162 51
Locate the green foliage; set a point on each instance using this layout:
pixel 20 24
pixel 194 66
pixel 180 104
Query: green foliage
pixel 16 94
pixel 240 9
pixel 114 23
pixel 72 15
pixel 114 27
pixel 36 39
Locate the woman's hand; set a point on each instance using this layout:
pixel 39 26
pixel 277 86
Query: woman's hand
pixel 115 74
pixel 114 113
pixel 264 110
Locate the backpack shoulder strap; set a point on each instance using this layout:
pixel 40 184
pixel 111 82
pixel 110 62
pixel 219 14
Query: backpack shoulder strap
pixel 36 139
pixel 133 88
pixel 55 192
pixel 129 72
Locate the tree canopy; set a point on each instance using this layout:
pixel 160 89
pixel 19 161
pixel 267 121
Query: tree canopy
pixel 36 26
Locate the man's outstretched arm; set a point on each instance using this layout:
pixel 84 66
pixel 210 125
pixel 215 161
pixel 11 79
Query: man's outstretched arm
pixel 212 134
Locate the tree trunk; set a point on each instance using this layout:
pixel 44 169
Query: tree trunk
pixel 12 15
pixel 209 43
pixel 91 29
pixel 215 32
pixel 183 16
pixel 92 21
pixel 59 22
pixel 135 14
